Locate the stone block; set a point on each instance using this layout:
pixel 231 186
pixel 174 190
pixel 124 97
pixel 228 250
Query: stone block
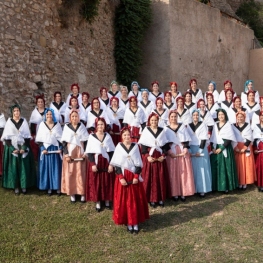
pixel 42 41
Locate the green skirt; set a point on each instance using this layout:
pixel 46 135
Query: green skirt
pixel 18 172
pixel 224 172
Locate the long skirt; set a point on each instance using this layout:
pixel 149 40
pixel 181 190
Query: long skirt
pixel 202 170
pixel 130 203
pixel 1 157
pixel 49 169
pixel 259 165
pixel 224 172
pixel 246 169
pixel 135 133
pixel 99 185
pixel 73 174
pixel 115 134
pixel 156 179
pixel 181 174
pixel 18 172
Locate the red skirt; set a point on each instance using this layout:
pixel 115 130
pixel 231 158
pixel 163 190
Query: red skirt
pixel 135 133
pixel 99 185
pixel 156 179
pixel 115 134
pixel 259 165
pixel 1 157
pixel 130 203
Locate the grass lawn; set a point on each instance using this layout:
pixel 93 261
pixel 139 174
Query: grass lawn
pixel 218 228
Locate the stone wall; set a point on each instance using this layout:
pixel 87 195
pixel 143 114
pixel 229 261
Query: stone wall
pixel 37 55
pixel 255 69
pixel 188 39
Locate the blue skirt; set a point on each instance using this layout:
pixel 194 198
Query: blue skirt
pixel 202 170
pixel 49 169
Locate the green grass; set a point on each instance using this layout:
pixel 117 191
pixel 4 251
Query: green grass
pixel 218 228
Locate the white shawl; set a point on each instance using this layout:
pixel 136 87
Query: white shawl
pixel 257 134
pixel 213 110
pixel 2 121
pixel 153 98
pixel 59 112
pixel 208 119
pixel 134 120
pixel 69 97
pixel 232 116
pixel 200 134
pixel 115 117
pixel 149 108
pixel 163 119
pixel 139 95
pixel 215 96
pixel 185 118
pixel 91 118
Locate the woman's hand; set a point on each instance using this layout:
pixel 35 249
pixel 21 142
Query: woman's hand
pixel 135 181
pixel 94 168
pixel 68 159
pixel 110 169
pixel 44 152
pixel 197 154
pixel 22 151
pixel 16 151
pixel 123 182
pixel 256 151
pixel 242 151
pixel 161 158
pixel 218 151
pixel 185 151
pixel 150 159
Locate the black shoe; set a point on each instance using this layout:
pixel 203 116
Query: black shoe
pixel 98 210
pixel 202 196
pixel 49 194
pixel 153 205
pixel 161 205
pixel 183 199
pixel 175 199
pixel 130 230
pixel 108 207
pixel 83 202
pixel 58 194
pixel 73 202
pixel 24 192
pixel 17 193
pixel 244 189
pixel 136 232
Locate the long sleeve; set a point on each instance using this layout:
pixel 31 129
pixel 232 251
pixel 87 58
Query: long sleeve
pixel 202 144
pixel 247 143
pixel 144 149
pixel 65 148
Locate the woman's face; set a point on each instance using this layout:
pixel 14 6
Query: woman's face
pixel 193 85
pixel 261 118
pixel 126 137
pixel 173 118
pixel 250 86
pixel 155 88
pixel 237 103
pixel 40 103
pixel 16 113
pixel 251 97
pixel 85 99
pixel 58 98
pixel 96 105
pixel 154 122
pixel 74 118
pixel 229 95
pixel 211 87
pixel 75 90
pixel 180 103
pixel 168 98
pixel 114 103
pixel 227 86
pixel 100 126
pixel 49 116
pixel 195 117
pixel 145 95
pixel 188 98
pixel 135 87
pixel 159 104
pixel 124 92
pixel 74 103
pixel 104 93
pixel 133 103
pixel 114 87
pixel 209 100
pixel 173 88
pixel 221 116
pixel 202 105
pixel 240 119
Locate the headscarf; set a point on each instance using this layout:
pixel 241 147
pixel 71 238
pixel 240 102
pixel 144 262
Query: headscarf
pixel 135 82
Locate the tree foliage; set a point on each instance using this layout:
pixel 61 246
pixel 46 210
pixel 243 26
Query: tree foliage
pixel 132 19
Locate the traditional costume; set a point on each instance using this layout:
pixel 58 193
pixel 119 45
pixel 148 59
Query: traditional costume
pixel 152 97
pixel 215 95
pixel 93 115
pixel 163 117
pixel 231 113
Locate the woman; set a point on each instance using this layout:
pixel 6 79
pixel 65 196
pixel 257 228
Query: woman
pixel 175 93
pixel 73 105
pixel 155 145
pixel 183 114
pixel 134 118
pixel 223 165
pixel 104 99
pixel 211 105
pixel 18 164
pixel 74 92
pixel 248 86
pixel 116 115
pixel 251 106
pixel 85 106
pixel 100 174
pixel 74 138
pixel 188 104
pixel 243 151
pixel 212 90
pixel 2 126
pixel 200 158
pixel 196 93
pixel 155 92
pixel 228 102
pixel 130 203
pixel 205 116
pixel 256 114
pixel 49 163
pixel 135 91
pixel 96 112
pixel 114 90
pixel 258 150
pixel 59 107
pixel 36 118
pixel 236 107
pixel 124 99
pixel 178 159
pixel 168 104
pixel 161 112
pixel 227 85
pixel 146 105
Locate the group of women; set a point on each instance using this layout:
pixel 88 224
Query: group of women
pixel 128 149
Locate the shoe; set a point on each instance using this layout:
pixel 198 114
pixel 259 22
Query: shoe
pixel 24 192
pixel 98 209
pixel 161 204
pixel 244 189
pixel 136 232
pixel 175 199
pixel 72 202
pixel 17 192
pixel 130 230
pixel 108 207
pixel 49 193
pixel 202 196
pixel 153 205
pixel 82 199
pixel 183 199
pixel 58 194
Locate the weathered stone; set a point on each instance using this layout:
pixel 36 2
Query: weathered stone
pixel 42 41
